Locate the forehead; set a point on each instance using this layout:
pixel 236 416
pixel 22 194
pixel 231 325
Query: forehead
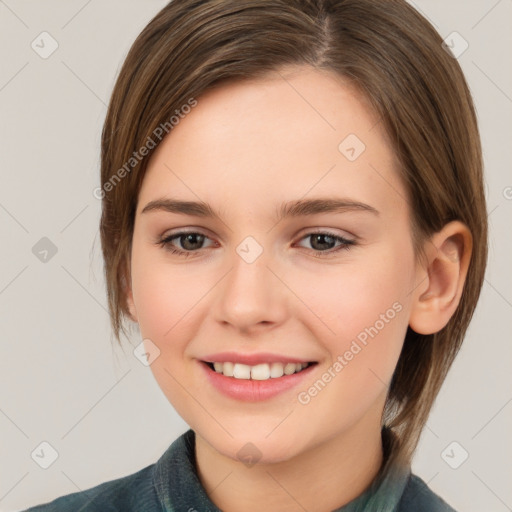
pixel 296 132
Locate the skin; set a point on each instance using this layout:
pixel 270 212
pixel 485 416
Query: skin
pixel 245 149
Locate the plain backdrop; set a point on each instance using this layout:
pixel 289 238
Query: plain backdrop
pixel 98 407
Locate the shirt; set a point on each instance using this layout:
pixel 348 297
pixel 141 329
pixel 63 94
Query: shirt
pixel 172 485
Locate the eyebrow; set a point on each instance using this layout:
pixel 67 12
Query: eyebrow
pixel 298 208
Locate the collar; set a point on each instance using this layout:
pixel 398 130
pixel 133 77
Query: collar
pixel 180 490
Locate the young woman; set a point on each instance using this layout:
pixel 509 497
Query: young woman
pixel 294 216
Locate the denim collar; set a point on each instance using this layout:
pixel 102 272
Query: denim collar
pixel 180 490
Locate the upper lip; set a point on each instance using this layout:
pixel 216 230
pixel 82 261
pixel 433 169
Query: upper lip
pixel 252 359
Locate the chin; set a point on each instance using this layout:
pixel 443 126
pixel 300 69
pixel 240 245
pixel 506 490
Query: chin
pixel 251 447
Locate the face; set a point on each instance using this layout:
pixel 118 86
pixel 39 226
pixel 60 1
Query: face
pixel 320 289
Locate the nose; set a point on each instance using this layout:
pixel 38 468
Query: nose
pixel 252 296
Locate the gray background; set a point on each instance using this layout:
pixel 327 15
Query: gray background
pixel 99 407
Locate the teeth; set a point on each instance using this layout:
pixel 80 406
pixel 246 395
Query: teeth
pixel 242 371
pixel 262 371
pixel 289 368
pixel 276 370
pixel 227 369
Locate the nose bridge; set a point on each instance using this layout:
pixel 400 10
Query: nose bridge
pixel 251 293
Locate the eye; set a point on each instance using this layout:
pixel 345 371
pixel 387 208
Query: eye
pixel 192 242
pixel 324 242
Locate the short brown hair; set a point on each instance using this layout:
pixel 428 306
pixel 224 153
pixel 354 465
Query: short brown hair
pixel 393 56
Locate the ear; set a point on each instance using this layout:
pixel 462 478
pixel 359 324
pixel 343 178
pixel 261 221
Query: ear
pixel 441 276
pixel 128 291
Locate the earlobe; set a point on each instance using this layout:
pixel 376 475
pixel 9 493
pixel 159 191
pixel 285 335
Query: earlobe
pixel 435 300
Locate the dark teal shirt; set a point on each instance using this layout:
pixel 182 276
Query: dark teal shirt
pixel 172 485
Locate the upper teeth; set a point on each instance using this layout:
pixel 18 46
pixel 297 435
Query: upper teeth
pixel 258 372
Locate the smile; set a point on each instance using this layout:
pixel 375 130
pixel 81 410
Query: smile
pixel 255 382
pixel 263 371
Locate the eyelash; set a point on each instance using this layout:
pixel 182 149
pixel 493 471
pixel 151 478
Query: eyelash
pixel 165 243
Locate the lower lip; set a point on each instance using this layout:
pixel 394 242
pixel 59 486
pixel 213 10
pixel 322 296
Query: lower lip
pixel 248 390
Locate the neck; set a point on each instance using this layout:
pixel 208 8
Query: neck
pixel 343 467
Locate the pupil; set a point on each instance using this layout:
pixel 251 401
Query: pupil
pixel 191 238
pixel 320 237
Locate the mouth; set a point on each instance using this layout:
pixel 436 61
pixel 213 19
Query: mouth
pixel 258 372
pixel 255 377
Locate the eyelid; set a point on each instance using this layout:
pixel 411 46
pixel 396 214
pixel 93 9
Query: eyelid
pixel 183 232
pixel 328 231
pixel 306 231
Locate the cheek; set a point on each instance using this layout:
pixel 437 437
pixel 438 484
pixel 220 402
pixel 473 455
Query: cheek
pixel 163 294
pixel 167 300
pixel 364 307
pixel 343 300
pixel 370 328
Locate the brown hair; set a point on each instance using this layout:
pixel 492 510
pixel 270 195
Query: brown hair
pixel 393 56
